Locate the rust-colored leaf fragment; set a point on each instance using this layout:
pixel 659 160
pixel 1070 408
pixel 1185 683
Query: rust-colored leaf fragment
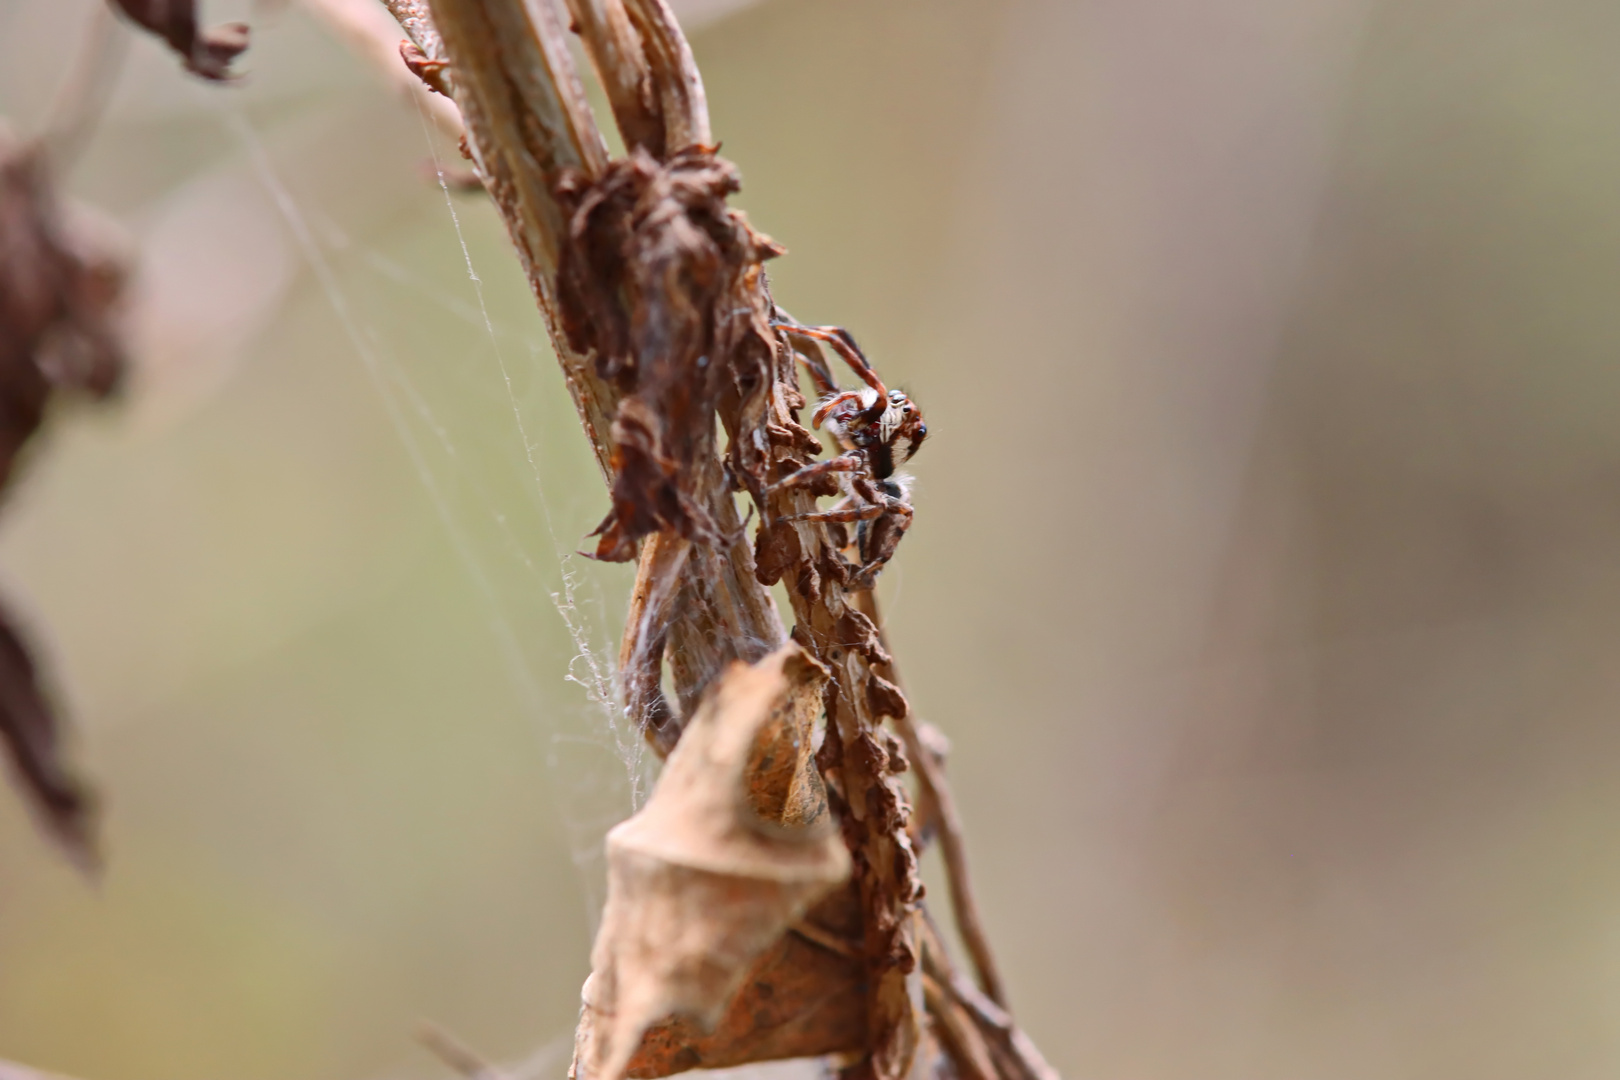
pixel 732 849
pixel 432 72
pixel 207 53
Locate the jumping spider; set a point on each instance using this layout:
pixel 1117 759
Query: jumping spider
pixel 879 430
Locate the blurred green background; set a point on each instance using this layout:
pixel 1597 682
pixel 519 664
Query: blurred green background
pixel 1266 570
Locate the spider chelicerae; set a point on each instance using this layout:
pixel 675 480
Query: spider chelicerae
pixel 879 430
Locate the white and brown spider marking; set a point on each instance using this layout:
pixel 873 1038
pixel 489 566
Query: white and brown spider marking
pixel 879 430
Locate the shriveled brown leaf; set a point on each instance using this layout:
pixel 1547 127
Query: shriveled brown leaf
pixel 32 736
pixel 801 998
pixel 58 290
pixel 734 846
pixel 204 52
pixel 646 282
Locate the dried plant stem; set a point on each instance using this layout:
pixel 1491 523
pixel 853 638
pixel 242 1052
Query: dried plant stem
pixel 939 808
pixel 964 1041
pixel 527 130
pixel 527 122
pixel 640 267
pixel 454 1053
pixel 684 104
pixel 621 67
pixel 416 20
pixel 861 761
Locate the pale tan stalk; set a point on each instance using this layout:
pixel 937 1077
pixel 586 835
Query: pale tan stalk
pixel 620 62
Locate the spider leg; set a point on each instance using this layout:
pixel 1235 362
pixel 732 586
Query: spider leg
pixel 852 462
pixel 816 365
pixel 819 374
pixel 844 344
pixel 879 540
pixel 809 354
pixel 832 403
pixel 844 514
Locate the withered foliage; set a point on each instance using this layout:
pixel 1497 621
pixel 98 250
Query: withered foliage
pixel 848 976
pixel 32 734
pixel 652 249
pixel 732 850
pixel 716 948
pixel 58 290
pixel 207 53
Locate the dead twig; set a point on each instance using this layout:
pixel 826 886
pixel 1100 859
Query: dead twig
pixel 674 73
pixel 616 53
pixel 939 808
pixel 453 1052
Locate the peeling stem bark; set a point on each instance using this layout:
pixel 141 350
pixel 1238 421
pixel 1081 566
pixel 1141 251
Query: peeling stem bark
pixel 621 67
pixel 527 121
pixel 675 74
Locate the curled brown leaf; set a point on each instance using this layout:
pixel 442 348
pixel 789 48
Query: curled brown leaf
pixel 734 846
pixel 652 259
pixel 207 53
pixel 31 733
pixel 58 291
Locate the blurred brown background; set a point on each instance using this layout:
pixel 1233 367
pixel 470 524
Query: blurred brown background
pixel 1266 572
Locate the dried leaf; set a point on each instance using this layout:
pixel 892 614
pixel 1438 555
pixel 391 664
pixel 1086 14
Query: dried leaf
pixel 799 999
pixel 205 52
pixel 31 734
pixel 58 289
pixel 732 849
pixel 647 282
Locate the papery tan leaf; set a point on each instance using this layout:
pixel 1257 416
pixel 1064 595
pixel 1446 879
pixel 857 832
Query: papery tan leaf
pixel 734 846
pixel 806 996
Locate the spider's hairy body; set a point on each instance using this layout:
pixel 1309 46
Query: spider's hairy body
pixel 878 430
pixel 890 441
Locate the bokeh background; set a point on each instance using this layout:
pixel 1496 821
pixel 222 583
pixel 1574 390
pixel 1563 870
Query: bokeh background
pixel 1266 572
